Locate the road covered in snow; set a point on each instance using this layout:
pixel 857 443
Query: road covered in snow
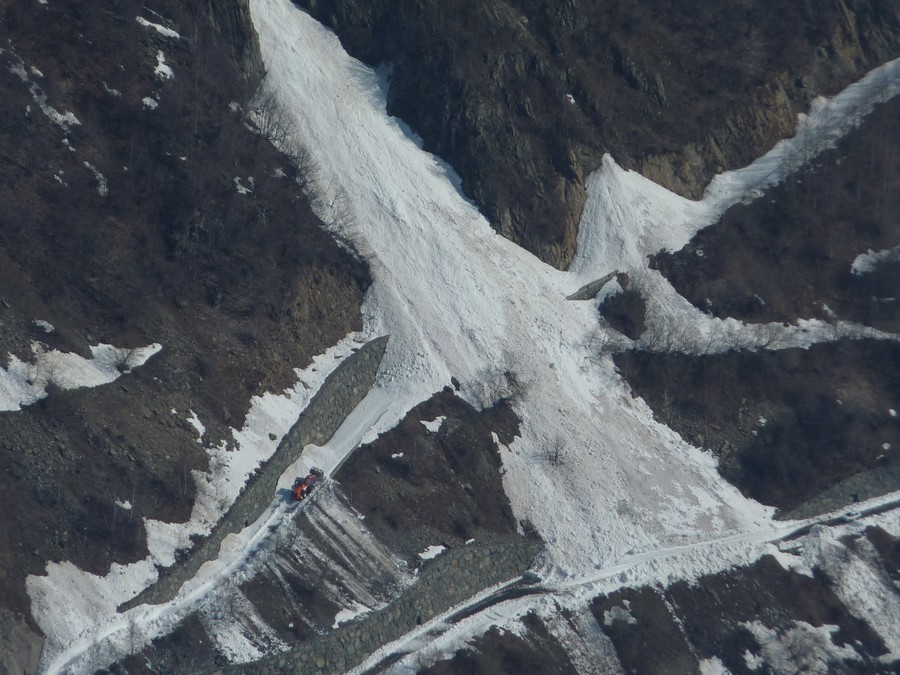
pixel 461 301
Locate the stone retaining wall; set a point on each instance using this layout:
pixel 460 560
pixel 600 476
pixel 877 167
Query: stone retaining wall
pixel 444 582
pixel 338 396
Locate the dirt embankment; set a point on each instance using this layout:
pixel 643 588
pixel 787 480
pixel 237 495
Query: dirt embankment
pixel 418 488
pixel 239 286
pixel 524 97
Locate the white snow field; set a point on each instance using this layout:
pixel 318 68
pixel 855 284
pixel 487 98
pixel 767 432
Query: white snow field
pixel 23 383
pixel 632 502
pixel 459 300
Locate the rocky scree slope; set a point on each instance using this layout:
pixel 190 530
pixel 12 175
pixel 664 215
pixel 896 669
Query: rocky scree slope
pixel 126 225
pixel 523 97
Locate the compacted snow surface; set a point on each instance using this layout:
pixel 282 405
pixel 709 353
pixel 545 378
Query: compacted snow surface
pixel 632 502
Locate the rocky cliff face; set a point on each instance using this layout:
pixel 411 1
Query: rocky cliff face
pixel 232 20
pixel 524 97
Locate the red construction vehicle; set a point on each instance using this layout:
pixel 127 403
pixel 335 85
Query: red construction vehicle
pixel 303 487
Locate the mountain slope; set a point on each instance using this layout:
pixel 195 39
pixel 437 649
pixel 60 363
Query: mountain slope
pixel 523 97
pixel 121 223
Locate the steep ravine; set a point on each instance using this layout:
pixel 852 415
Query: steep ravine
pixel 524 97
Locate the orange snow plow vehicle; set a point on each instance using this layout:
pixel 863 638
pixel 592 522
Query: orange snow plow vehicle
pixel 303 487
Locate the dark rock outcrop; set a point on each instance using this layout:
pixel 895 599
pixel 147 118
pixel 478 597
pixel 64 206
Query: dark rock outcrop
pixel 21 650
pixel 232 20
pixel 523 97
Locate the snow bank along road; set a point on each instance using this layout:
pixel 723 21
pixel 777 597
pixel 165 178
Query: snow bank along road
pixel 461 301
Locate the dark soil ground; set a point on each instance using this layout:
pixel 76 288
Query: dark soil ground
pixel 187 649
pixel 238 289
pixel 675 627
pixel 500 652
pixel 826 412
pixel 523 97
pixel 788 254
pixel 417 488
pixel 626 312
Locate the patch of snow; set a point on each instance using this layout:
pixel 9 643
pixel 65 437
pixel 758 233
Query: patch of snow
pixel 432 552
pixel 240 633
pixel 610 616
pixel 162 70
pixel 792 560
pixel 801 649
pixel 159 28
pixel 435 425
pixel 241 188
pixel 892 412
pixel 397 455
pixel 45 326
pixel 36 72
pixel 868 262
pixel 22 383
pixel 58 177
pixel 570 99
pixel 859 582
pixel 713 666
pixel 112 92
pixel 195 422
pixel 63 120
pixel 150 102
pixel 588 648
pixel 102 185
pixel 469 541
pixel 752 661
pixel 885 446
pixel 349 613
pixel 124 505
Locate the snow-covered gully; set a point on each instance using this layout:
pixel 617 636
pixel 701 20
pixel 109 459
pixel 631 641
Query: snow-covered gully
pixel 459 300
pixel 634 502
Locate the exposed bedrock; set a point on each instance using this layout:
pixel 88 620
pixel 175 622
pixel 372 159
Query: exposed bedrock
pixel 524 97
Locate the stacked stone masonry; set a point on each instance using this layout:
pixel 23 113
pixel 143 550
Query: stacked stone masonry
pixel 339 395
pixel 444 582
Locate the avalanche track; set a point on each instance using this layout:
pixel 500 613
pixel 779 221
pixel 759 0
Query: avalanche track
pixel 459 300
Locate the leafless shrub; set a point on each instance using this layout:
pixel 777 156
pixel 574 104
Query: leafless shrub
pixel 124 358
pixel 305 166
pixel 667 334
pixel 500 384
pixel 556 452
pixel 604 341
pixel 271 120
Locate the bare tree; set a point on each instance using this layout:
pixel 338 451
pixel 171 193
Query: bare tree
pixel 556 453
pixel 271 119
